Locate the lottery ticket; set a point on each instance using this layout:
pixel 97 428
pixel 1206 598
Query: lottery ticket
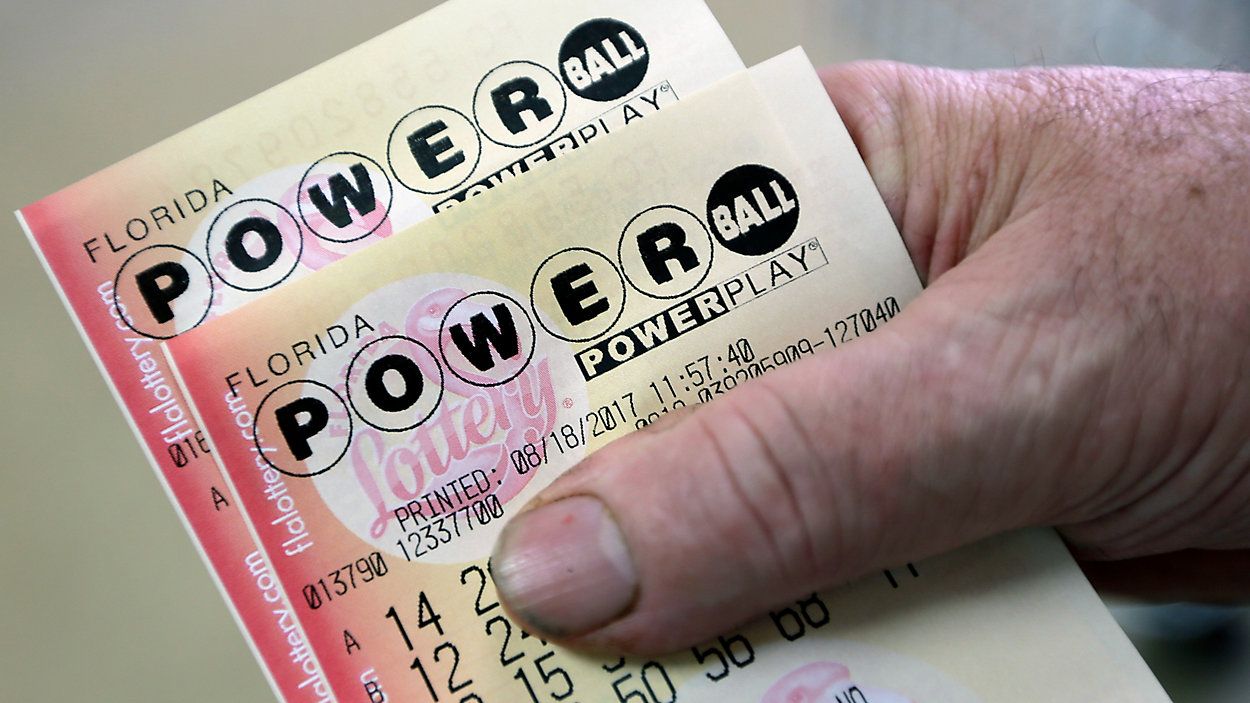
pixel 469 96
pixel 382 419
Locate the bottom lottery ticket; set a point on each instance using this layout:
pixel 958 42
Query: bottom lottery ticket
pixel 382 419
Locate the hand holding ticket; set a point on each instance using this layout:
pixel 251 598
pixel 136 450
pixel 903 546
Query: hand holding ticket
pixel 380 421
pixel 984 408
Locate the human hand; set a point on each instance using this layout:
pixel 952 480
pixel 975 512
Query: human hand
pixel 1081 358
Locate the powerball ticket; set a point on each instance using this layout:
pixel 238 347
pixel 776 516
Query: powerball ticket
pixel 381 420
pixel 441 109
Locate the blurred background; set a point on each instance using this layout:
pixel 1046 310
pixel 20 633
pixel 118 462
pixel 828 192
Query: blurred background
pixel 102 597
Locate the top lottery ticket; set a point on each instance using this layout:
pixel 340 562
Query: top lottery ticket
pixel 443 108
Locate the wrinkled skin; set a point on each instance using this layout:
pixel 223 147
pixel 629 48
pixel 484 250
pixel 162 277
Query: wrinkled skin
pixel 1080 358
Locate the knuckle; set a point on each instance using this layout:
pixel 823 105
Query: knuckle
pixel 770 473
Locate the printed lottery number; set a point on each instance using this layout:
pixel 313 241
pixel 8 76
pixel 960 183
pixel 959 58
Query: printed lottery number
pixel 480 576
pixel 540 675
pixel 911 570
pixel 650 683
pixel 725 654
pixel 446 655
pixel 344 580
pixel 794 622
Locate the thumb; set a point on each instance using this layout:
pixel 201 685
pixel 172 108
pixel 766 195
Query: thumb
pixel 812 475
pixel 886 450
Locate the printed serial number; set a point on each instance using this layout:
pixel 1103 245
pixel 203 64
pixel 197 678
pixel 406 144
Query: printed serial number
pixel 343 580
pixel 862 322
pixel 847 329
pixel 442 529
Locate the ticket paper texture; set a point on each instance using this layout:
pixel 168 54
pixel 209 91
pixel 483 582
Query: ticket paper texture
pixel 381 420
pixel 448 106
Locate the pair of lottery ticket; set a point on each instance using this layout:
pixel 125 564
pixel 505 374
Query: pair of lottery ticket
pixel 345 444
